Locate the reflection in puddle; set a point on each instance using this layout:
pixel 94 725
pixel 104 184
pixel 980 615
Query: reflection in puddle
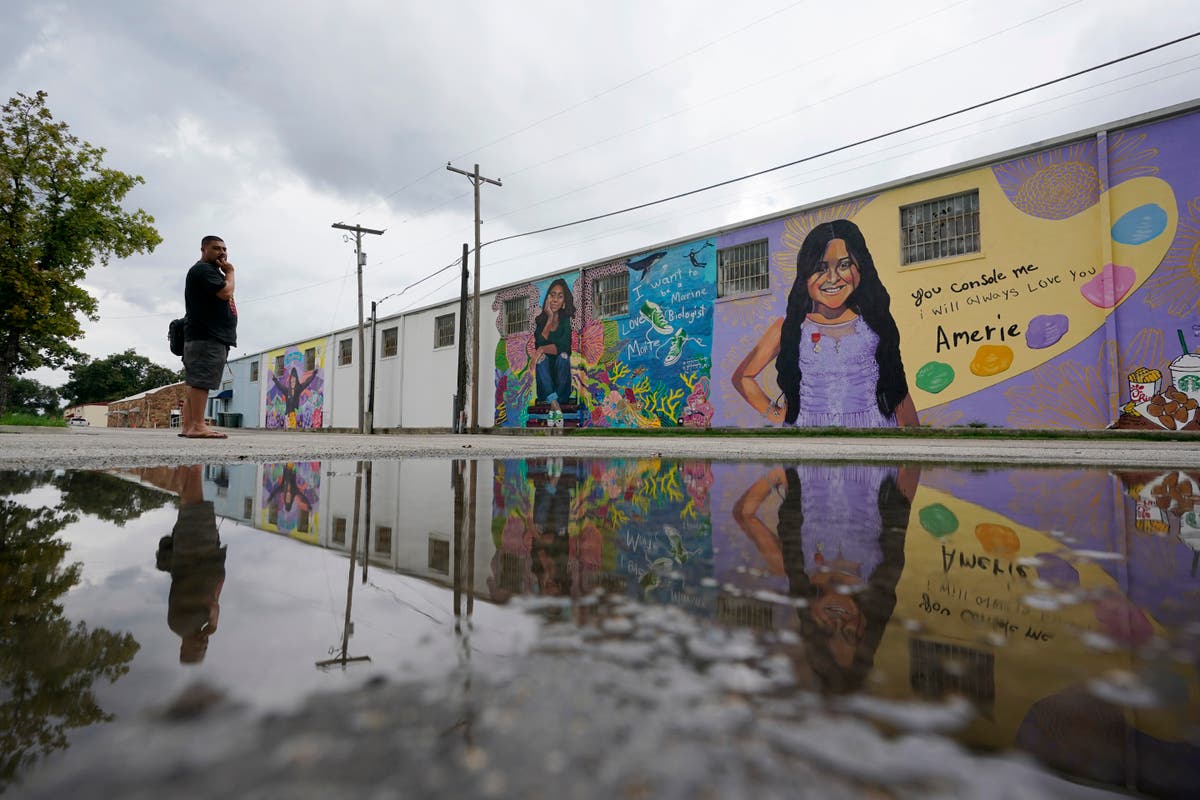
pixel 1054 611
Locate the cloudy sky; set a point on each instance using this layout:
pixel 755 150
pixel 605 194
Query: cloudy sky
pixel 267 121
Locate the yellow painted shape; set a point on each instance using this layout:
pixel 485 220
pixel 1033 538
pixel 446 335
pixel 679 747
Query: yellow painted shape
pixel 1010 239
pixel 980 599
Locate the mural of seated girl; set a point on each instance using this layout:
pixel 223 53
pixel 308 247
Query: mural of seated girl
pixel 837 349
pixel 552 342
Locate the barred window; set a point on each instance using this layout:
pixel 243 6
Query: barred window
pixel 345 352
pixel 302 520
pixel 310 359
pixel 439 555
pixel 516 315
pixel 443 330
pixel 383 539
pixel 254 372
pixel 390 344
pixel 743 269
pixel 339 530
pixel 279 367
pixel 948 226
pixel 612 295
pixel 247 507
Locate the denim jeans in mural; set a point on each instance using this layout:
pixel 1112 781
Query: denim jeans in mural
pixel 554 378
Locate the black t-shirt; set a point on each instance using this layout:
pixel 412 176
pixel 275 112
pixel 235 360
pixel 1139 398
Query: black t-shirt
pixel 208 316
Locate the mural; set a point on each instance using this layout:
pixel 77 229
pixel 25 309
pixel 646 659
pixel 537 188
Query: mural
pixel 1059 289
pixel 638 527
pixel 647 366
pixel 290 500
pixel 296 386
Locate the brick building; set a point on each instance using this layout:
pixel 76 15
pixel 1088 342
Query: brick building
pixel 155 408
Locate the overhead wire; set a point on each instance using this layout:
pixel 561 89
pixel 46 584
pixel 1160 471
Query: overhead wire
pixel 792 112
pixel 858 143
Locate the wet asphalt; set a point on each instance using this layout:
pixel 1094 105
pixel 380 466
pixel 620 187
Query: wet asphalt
pixel 24 448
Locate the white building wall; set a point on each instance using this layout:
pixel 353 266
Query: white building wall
pixel 342 397
pixel 426 374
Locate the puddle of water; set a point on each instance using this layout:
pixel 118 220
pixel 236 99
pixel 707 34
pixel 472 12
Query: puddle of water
pixel 1052 611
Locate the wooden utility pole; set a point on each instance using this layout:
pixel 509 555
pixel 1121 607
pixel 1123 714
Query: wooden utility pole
pixel 361 259
pixel 460 386
pixel 476 181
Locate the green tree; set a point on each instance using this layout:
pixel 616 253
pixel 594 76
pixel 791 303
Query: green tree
pixel 48 665
pixel 60 213
pixel 26 394
pixel 108 497
pixel 114 377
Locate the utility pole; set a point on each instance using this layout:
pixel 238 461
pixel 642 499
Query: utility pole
pixel 460 386
pixel 361 258
pixel 476 181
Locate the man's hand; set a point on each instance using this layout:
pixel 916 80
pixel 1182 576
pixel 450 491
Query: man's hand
pixel 225 266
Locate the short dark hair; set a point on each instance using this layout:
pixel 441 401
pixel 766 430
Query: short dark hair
pixel 204 242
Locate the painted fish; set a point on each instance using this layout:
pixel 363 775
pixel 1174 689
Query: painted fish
pixel 645 263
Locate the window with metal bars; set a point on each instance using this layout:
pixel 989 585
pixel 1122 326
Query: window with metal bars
pixel 439 555
pixel 254 372
pixel 279 367
pixel 443 331
pixel 942 228
pixel 611 294
pixel 390 345
pixel 743 269
pixel 345 352
pixel 339 530
pixel 310 359
pixel 516 315
pixel 383 539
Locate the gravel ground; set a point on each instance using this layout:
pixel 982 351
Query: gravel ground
pixel 24 448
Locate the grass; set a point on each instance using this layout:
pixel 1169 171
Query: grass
pixel 972 431
pixel 23 418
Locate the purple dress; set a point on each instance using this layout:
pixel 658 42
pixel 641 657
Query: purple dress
pixel 839 376
pixel 841 515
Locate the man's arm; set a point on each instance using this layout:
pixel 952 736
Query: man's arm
pixel 226 292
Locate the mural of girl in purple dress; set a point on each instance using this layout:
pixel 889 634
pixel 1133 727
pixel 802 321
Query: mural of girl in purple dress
pixel 837 349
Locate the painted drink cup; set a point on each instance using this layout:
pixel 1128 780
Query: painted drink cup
pixel 1185 375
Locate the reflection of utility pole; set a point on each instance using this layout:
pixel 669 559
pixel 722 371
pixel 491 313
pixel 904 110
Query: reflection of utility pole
pixel 456 483
pixel 367 527
pixel 476 181
pixel 471 538
pixel 361 259
pixel 347 627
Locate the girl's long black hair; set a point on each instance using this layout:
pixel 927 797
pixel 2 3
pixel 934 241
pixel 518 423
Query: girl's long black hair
pixel 876 601
pixel 870 301
pixel 568 308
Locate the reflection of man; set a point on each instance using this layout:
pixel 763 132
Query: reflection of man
pixel 195 557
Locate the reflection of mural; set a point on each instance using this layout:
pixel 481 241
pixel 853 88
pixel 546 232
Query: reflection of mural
pixel 296 390
pixel 567 526
pixel 291 499
pixel 1058 289
pixel 840 541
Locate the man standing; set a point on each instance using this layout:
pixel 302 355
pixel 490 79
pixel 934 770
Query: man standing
pixel 210 331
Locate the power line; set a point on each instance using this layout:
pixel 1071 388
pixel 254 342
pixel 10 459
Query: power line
pixel 593 98
pixel 777 118
pixel 794 111
pixel 869 139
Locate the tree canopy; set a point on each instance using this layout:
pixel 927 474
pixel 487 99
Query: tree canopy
pixel 114 377
pixel 60 213
pixel 32 397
